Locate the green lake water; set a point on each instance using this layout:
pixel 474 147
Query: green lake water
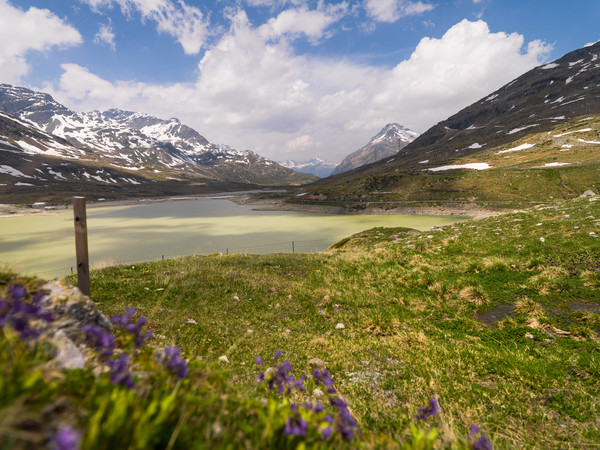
pixel 44 245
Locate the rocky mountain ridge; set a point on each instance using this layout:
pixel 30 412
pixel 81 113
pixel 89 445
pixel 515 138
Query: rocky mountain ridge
pixel 146 147
pixel 315 166
pixel 389 141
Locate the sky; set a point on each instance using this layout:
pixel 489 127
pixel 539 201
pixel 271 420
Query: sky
pixel 288 79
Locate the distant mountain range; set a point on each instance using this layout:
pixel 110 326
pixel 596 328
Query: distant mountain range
pixel 389 141
pixel 536 138
pixel 315 166
pixel 50 143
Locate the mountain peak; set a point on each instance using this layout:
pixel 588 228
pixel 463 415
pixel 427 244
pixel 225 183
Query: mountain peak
pixel 387 142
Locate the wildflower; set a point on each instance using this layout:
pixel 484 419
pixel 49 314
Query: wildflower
pixel 426 412
pixel 101 340
pixel 277 355
pixel 258 360
pixel 224 359
pixel 66 439
pixel 344 422
pixel 324 377
pixel 325 432
pixel 119 373
pixel 21 314
pixel 134 328
pixel 295 425
pixel 174 362
pixel 483 443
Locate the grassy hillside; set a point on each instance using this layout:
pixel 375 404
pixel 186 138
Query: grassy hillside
pixel 498 320
pixel 558 164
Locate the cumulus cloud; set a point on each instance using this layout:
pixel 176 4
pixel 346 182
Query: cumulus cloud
pixel 302 21
pixel 392 10
pixel 185 23
pixel 255 92
pixel 106 36
pixel 32 30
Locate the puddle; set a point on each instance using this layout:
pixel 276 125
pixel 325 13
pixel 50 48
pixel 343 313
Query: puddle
pixel 497 314
pixel 585 307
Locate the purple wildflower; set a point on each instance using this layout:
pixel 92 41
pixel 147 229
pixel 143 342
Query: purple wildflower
pixel 324 377
pixel 295 425
pixel 325 432
pixel 426 412
pixel 119 374
pixel 66 439
pixel 18 292
pixel 277 355
pixel 123 321
pixel 22 314
pixel 102 340
pixel 483 443
pixel 258 360
pixel 344 422
pixel 175 363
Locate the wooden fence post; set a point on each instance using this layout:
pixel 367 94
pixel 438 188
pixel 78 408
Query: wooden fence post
pixel 81 245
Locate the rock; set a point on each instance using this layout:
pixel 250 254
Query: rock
pixel 529 336
pixel 316 362
pixel 71 310
pixel 340 326
pixel 587 194
pixel 318 393
pixel 68 355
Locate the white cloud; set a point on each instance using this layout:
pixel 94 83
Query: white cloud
pixel 23 31
pixel 185 23
pixel 392 10
pixel 311 23
pixel 105 35
pixel 254 92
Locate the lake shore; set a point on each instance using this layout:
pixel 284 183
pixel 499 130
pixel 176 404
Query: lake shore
pixel 471 210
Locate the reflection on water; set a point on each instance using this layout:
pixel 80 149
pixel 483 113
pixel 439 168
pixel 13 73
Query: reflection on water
pixel 44 245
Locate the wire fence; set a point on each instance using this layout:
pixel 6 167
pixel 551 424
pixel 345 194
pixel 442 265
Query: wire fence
pixel 300 246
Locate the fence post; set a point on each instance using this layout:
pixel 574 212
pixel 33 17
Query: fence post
pixel 293 247
pixel 81 245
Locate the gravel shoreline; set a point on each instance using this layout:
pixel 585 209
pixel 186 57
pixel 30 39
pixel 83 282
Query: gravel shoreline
pixel 473 211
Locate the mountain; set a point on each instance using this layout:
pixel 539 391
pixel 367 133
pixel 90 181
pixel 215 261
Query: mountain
pixel 391 139
pixel 535 138
pixel 147 148
pixel 315 166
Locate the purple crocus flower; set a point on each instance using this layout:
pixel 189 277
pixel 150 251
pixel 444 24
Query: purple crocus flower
pixel 277 355
pixel 66 439
pixel 258 360
pixel 426 412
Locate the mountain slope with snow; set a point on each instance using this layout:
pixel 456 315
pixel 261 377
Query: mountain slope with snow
pixel 389 141
pixel 316 166
pixel 135 142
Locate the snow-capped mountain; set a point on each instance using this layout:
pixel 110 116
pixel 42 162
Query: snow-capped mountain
pixel 315 166
pixel 135 142
pixel 392 138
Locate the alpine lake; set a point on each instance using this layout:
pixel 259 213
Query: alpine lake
pixel 44 244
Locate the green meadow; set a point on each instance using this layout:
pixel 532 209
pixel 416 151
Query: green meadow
pixel 498 319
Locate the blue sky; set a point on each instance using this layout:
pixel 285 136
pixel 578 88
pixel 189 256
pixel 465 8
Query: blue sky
pixel 289 79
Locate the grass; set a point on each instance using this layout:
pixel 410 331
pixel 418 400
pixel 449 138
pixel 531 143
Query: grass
pixel 412 307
